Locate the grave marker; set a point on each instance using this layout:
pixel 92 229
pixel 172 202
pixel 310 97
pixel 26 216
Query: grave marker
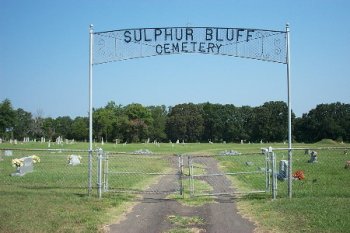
pixel 283 170
pixel 74 160
pixel 25 167
pixel 8 153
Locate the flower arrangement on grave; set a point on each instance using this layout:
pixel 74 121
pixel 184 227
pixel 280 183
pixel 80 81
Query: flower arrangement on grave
pixel 299 175
pixel 17 162
pixel 36 159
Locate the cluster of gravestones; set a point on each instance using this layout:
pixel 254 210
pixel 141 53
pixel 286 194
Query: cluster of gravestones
pixel 27 163
pixel 142 152
pixel 229 152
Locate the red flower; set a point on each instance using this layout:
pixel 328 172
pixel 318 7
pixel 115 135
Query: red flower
pixel 299 175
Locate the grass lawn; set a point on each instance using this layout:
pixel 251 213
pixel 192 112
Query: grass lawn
pixel 49 202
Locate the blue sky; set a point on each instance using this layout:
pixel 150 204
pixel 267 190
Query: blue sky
pixel 44 55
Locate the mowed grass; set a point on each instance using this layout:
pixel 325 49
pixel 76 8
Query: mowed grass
pixel 55 199
pixel 320 203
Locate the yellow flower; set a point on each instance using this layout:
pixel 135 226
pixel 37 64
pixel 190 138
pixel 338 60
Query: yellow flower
pixel 36 159
pixel 17 162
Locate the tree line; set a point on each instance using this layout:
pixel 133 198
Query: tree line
pixel 184 122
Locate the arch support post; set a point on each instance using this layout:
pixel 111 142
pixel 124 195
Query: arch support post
pixel 90 109
pixel 290 156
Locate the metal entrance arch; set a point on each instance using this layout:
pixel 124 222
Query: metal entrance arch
pixel 123 44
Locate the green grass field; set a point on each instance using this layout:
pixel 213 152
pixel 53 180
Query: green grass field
pixel 54 197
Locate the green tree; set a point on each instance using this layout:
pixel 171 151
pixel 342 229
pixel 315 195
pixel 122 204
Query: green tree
pixel 157 127
pixel 214 122
pixel 63 127
pixel 7 119
pixel 103 123
pixel 80 128
pixel 49 128
pixel 185 122
pixel 325 121
pixel 23 121
pixel 140 119
pixel 270 122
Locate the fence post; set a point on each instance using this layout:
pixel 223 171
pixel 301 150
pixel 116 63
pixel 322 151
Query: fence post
pixel 105 173
pixel 99 173
pixel 181 172
pixel 190 166
pixel 274 176
pixel 267 171
pixel 90 173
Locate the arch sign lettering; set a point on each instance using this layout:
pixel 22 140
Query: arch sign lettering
pixel 124 44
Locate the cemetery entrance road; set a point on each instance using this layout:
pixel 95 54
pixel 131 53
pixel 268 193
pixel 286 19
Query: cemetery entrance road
pixel 154 213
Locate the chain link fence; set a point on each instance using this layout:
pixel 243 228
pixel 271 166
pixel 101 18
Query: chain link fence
pixel 229 174
pixel 45 169
pixel 315 171
pixel 140 173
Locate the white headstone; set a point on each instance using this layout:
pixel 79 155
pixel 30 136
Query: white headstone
pixel 8 153
pixel 74 160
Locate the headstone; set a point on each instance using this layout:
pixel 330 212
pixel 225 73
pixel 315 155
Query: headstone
pixel 0 140
pixel 283 170
pixel 264 150
pixel 74 160
pixel 25 168
pixel 313 157
pixel 102 143
pixel 347 164
pixel 8 153
pixel 248 163
pixel 242 142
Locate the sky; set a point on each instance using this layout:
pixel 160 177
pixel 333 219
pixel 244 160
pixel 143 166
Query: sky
pixel 44 55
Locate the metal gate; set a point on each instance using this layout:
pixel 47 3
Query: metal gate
pixel 231 174
pixel 207 175
pixel 139 173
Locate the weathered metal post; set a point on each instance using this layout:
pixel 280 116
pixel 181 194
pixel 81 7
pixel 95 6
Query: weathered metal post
pixel 99 173
pixel 290 158
pixel 90 111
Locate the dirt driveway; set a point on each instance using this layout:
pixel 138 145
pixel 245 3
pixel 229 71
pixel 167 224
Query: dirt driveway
pixel 154 213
